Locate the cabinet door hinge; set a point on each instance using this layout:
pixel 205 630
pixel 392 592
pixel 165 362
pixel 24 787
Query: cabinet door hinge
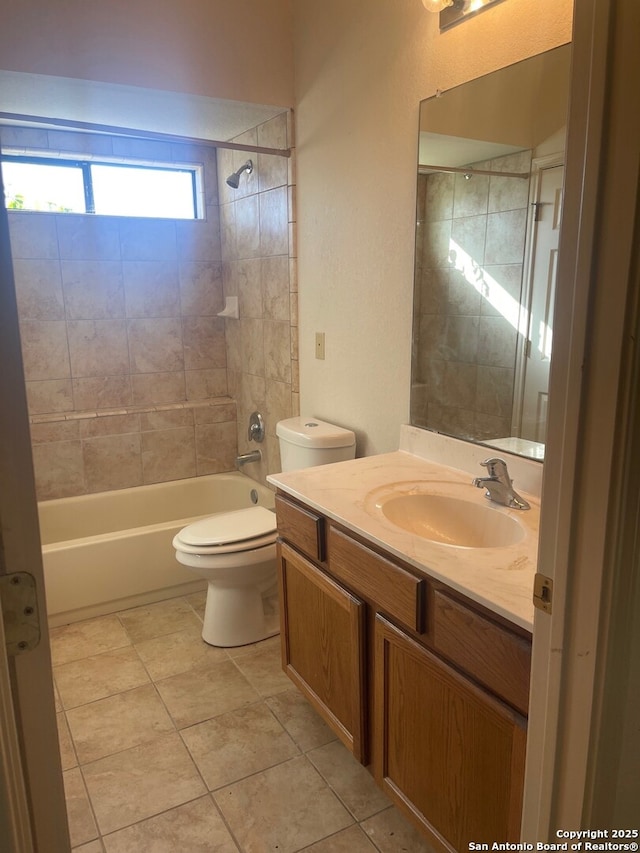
pixel 19 612
pixel 542 592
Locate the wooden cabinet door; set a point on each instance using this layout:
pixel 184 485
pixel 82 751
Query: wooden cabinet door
pixel 446 751
pixel 323 649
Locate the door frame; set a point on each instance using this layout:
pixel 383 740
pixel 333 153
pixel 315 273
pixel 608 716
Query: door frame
pixel 581 519
pixel 30 680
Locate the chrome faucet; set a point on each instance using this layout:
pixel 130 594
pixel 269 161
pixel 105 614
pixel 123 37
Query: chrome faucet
pixel 499 486
pixel 252 456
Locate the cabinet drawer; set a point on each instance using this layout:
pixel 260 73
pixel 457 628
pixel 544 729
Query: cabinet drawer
pixel 492 654
pixel 378 579
pixel 301 527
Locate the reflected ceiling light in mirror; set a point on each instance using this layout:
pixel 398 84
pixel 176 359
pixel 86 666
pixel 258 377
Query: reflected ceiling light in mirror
pixel 436 5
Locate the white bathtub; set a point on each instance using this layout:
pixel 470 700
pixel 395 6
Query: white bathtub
pixel 112 550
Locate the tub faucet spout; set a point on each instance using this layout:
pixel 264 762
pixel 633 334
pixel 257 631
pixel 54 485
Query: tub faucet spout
pixel 499 486
pixel 252 456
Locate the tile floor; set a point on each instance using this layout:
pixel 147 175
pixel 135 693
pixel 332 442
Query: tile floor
pixel 171 745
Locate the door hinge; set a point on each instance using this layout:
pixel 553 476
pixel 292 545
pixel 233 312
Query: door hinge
pixel 542 592
pixel 19 612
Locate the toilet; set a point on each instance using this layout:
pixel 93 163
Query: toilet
pixel 236 551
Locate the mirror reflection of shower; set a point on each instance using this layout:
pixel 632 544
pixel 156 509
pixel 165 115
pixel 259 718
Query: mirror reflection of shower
pixel 234 179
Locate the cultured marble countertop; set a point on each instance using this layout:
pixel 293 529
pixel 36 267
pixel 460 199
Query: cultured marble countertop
pixel 500 579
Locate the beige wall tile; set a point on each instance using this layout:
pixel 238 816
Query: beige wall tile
pixel 275 287
pixel 278 404
pixel 93 290
pixel 203 384
pixel 248 272
pixel 274 229
pixel 49 395
pixel 168 455
pixel 147 240
pixel 216 447
pixel 38 289
pixel 252 350
pixel 98 347
pixel 59 470
pixel 216 413
pixel 277 351
pixel 201 288
pixel 155 388
pixel 88 238
pixel 505 237
pixel 155 345
pixel 199 240
pixel 228 242
pixel 112 462
pixel 204 343
pixel 102 392
pixel 33 235
pixel 44 433
pixel 45 351
pixel 109 425
pixel 166 419
pixel 151 288
pixel 247 227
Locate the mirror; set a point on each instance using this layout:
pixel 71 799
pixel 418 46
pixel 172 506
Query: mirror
pixel 489 204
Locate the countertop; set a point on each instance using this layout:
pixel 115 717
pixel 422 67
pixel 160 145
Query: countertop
pixel 500 579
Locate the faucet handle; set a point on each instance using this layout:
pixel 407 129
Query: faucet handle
pixel 496 467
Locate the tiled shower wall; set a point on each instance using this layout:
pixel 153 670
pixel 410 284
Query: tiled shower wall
pixel 259 268
pixel 125 358
pixel 469 264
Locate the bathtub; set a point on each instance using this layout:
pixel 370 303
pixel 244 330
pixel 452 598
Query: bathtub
pixel 112 550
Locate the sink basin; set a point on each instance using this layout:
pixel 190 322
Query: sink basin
pixel 452 521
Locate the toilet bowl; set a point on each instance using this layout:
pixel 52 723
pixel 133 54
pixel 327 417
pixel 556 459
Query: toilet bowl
pixel 236 554
pixel 236 551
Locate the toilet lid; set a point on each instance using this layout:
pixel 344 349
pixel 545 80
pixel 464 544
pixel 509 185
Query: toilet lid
pixel 225 528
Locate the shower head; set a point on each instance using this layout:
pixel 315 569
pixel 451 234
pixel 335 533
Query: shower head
pixel 234 179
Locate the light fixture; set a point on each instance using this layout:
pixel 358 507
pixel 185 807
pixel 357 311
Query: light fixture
pixel 436 5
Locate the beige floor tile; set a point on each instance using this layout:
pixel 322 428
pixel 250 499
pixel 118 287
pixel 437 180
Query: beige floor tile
pixel 263 670
pixel 56 697
pixel 302 722
pixel 98 676
pixel 199 694
pixel 179 652
pixel 193 828
pixel 155 620
pixel 351 840
pixel 91 847
pixel 349 779
pixel 285 808
pixel 67 752
pixel 391 832
pixel 237 744
pixel 83 639
pixel 142 782
pixel 118 722
pixel 198 601
pixel 263 645
pixel 82 825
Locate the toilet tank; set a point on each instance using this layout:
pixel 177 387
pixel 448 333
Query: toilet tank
pixel 305 442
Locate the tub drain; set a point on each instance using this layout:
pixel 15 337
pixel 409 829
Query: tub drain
pixel 254 496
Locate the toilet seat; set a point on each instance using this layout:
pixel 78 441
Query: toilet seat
pixel 238 530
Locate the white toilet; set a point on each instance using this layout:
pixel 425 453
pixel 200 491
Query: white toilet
pixel 236 551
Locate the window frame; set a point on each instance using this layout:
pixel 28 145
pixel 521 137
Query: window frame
pixel 84 166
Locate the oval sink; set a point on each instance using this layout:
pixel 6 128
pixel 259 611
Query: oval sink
pixel 452 521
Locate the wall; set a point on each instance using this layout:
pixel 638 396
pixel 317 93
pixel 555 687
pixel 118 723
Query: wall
pixel 124 356
pixel 358 86
pixel 258 250
pixel 234 49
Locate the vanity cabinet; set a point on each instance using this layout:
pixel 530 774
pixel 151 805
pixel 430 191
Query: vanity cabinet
pixel 426 687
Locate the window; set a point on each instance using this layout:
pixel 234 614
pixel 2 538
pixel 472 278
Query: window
pixel 110 189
